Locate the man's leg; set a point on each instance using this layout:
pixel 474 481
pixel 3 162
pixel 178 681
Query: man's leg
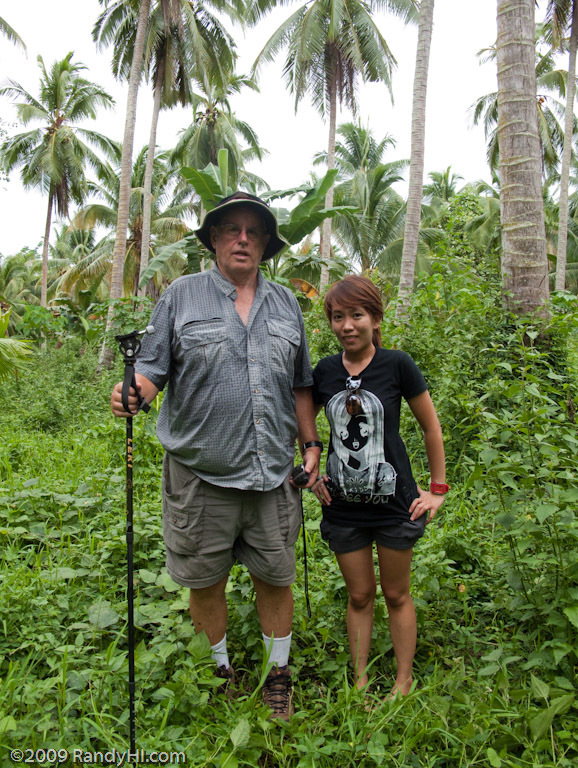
pixel 208 608
pixel 275 609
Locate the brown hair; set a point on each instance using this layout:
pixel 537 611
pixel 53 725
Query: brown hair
pixel 356 291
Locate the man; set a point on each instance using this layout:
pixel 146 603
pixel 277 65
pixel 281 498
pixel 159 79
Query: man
pixel 231 350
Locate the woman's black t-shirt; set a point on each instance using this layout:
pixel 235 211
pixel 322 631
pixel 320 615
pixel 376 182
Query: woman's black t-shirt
pixel 371 482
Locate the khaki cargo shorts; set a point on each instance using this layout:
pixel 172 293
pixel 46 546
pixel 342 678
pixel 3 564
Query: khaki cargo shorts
pixel 207 527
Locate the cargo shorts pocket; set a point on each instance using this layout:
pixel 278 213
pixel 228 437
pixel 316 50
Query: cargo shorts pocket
pixel 182 508
pixel 289 512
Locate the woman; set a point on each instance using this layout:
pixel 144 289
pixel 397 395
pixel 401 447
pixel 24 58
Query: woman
pixel 369 493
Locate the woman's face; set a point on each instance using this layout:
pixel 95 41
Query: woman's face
pixel 354 328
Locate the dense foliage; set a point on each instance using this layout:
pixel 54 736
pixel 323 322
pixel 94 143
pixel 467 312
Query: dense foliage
pixel 493 579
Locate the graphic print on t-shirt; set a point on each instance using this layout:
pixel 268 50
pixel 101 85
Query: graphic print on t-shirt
pixel 357 464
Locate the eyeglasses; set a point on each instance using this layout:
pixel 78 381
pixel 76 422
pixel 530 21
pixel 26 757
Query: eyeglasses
pixel 352 400
pixel 234 230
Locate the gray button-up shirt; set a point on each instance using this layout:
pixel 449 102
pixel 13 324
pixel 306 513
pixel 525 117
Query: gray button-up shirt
pixel 229 409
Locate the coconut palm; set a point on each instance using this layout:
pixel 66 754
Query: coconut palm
pixel 365 185
pixel 187 39
pixel 20 276
pixel 92 274
pixel 550 82
pixel 485 229
pixel 331 44
pixel 54 157
pixel 215 127
pixel 11 34
pixel 13 352
pixel 103 33
pixel 561 19
pixel 413 213
pixel 524 261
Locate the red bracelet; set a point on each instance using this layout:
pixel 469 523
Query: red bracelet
pixel 439 489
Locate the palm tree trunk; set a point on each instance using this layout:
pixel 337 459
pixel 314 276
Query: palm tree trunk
pixel 148 177
pixel 106 354
pixel 415 190
pixel 524 259
pixel 44 279
pixel 567 154
pixel 326 228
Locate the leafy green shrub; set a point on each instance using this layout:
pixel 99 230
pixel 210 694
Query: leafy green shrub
pixel 493 578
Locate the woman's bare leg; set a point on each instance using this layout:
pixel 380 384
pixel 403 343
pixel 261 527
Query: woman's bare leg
pixel 394 568
pixel 359 575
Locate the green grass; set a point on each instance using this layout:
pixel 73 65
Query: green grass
pixel 496 598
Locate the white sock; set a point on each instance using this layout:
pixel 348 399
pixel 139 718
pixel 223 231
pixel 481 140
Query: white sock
pixel 219 652
pixel 280 647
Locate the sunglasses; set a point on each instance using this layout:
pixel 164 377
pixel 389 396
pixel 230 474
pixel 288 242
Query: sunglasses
pixel 234 230
pixel 352 399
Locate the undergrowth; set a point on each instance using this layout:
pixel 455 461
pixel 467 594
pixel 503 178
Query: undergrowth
pixel 493 579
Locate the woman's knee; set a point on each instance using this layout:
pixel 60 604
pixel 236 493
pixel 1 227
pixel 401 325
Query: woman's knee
pixel 396 598
pixel 360 599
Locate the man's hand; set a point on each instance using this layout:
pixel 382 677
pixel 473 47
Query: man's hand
pixel 311 459
pixel 146 390
pixel 116 401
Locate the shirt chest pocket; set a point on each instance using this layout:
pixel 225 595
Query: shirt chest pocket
pixel 203 346
pixel 284 340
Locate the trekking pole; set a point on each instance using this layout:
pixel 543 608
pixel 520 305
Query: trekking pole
pixel 130 346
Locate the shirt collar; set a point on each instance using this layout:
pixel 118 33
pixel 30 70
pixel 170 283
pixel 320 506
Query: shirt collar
pixel 227 287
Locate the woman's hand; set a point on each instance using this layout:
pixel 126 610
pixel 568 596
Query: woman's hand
pixel 319 488
pixel 426 502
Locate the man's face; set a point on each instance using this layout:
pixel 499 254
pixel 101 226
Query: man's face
pixel 239 241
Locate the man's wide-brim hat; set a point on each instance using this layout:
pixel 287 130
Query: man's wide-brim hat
pixel 243 199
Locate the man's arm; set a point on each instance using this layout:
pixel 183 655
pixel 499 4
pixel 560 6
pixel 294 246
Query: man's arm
pixel 146 389
pixel 307 431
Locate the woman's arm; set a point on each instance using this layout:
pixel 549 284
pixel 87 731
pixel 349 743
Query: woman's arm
pixel 424 411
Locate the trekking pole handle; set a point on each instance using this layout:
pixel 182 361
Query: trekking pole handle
pixel 130 344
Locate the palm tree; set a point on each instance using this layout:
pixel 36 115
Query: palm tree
pixel 413 213
pixel 10 33
pixel 20 277
pixel 53 157
pixel 331 44
pixel 13 352
pixel 524 261
pixel 216 127
pixel 365 185
pixel 442 187
pixel 187 39
pixel 91 275
pixel 549 81
pixel 103 33
pixel 561 18
pixel 485 229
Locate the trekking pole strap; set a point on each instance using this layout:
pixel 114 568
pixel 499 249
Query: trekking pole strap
pixel 128 382
pixel 305 568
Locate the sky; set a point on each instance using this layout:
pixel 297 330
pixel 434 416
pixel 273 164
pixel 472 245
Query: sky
pixel 456 79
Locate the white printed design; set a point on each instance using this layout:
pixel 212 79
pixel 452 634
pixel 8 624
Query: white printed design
pixel 357 465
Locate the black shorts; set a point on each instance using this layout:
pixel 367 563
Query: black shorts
pixel 342 540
